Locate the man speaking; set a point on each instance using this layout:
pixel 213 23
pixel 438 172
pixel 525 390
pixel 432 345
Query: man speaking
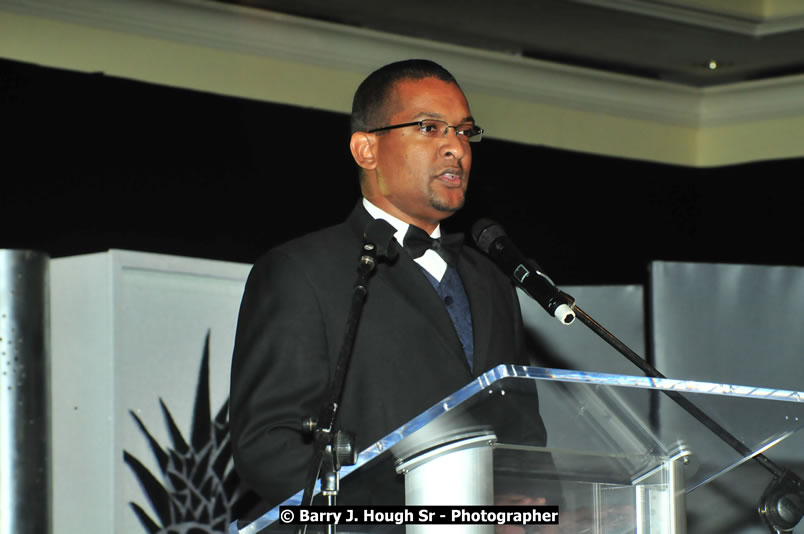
pixel 434 319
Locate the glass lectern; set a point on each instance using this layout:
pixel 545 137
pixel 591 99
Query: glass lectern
pixel 620 456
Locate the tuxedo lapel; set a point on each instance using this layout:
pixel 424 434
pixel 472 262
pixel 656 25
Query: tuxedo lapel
pixel 405 282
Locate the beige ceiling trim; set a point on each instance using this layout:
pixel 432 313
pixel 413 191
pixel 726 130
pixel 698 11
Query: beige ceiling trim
pixel 751 101
pixel 261 55
pixel 759 10
pixel 333 46
pixel 756 18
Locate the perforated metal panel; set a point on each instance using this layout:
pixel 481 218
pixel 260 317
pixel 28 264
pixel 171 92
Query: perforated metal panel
pixel 25 505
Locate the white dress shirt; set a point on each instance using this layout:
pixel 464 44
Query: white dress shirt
pixel 430 260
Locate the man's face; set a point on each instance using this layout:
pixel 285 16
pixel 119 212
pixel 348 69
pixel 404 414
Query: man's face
pixel 422 179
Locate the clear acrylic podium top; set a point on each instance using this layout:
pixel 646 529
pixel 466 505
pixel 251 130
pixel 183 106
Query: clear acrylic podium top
pixel 603 431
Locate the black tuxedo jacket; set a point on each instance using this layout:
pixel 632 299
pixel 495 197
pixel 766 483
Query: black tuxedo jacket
pixel 406 358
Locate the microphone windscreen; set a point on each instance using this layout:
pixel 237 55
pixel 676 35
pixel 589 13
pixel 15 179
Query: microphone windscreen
pixel 484 232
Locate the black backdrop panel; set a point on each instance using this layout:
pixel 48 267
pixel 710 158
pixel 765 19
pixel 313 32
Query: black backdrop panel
pixel 92 162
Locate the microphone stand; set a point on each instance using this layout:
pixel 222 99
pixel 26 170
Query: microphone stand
pixel 333 450
pixel 782 504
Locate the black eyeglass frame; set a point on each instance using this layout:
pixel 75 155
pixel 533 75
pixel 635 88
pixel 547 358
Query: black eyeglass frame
pixel 476 136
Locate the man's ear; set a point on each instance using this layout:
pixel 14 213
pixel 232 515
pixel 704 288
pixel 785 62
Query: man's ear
pixel 363 146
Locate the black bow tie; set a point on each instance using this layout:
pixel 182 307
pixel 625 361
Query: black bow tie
pixel 417 242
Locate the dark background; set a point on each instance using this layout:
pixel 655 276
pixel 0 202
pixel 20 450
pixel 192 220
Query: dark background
pixel 91 162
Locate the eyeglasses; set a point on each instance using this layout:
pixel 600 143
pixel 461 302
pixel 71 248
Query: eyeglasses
pixel 433 128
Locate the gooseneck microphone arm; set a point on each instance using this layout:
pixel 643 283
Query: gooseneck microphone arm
pixel 782 504
pixel 335 449
pixel 691 408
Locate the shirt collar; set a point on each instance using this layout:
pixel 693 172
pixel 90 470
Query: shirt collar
pixel 400 226
pixel 430 261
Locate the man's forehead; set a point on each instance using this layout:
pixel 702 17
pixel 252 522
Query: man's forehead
pixel 426 98
pixel 412 87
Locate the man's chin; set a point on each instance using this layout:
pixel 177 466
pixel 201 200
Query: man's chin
pixel 447 207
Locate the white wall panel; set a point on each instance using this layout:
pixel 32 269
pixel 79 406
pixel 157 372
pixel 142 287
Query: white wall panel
pixel 128 330
pixel 735 324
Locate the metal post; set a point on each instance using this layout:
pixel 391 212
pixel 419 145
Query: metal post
pixel 460 472
pixel 25 494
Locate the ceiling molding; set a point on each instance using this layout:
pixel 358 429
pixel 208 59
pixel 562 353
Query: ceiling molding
pixel 262 33
pixel 724 16
pixel 752 101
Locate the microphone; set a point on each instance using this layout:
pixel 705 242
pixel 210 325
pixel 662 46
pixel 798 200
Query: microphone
pixel 492 239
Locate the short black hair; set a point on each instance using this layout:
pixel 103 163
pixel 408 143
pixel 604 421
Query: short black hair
pixel 370 104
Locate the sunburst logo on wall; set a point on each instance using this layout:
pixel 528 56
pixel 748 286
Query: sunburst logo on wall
pixel 198 491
